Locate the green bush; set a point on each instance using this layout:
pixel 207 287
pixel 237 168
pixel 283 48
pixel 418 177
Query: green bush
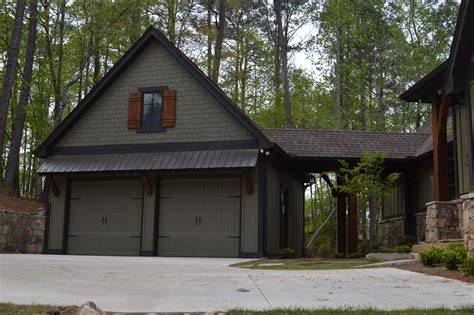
pixel 339 255
pixel 355 255
pixel 407 241
pixel 398 249
pixel 454 256
pixel 430 256
pixel 287 253
pixel 468 266
pixel 459 249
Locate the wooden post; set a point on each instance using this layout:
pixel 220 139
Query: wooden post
pixel 341 219
pixel 352 224
pixel 440 106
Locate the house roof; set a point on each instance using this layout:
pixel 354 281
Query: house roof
pixel 307 143
pixel 449 77
pixel 123 63
pixel 150 161
pixel 429 85
pixel 462 49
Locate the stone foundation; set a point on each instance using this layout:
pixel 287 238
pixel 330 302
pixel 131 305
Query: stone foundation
pixel 391 231
pixel 442 221
pixel 420 219
pixel 22 231
pixel 466 221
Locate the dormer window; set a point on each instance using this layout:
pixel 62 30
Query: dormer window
pixel 152 109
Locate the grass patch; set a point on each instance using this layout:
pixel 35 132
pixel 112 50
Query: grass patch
pixel 9 308
pixel 303 264
pixel 438 311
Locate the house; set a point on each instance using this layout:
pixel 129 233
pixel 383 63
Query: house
pixel 450 90
pixel 157 160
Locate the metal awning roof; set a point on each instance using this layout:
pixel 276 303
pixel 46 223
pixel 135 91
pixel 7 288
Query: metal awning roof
pixel 183 160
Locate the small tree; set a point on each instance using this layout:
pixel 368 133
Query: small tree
pixel 368 180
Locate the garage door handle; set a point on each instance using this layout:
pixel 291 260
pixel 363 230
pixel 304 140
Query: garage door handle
pixel 164 236
pixel 73 236
pixel 135 236
pixel 235 236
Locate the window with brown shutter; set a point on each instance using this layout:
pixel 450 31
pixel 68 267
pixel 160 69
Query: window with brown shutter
pixel 169 109
pixel 134 110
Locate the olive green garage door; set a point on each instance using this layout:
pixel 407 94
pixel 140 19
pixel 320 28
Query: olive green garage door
pixel 105 217
pixel 199 217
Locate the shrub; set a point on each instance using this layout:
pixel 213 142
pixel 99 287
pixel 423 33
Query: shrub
pixel 430 256
pixel 398 249
pixel 339 255
pixel 403 249
pixel 459 249
pixel 355 255
pixel 454 256
pixel 287 253
pixel 407 241
pixel 468 266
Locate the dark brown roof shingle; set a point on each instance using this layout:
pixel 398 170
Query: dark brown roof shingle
pixel 307 143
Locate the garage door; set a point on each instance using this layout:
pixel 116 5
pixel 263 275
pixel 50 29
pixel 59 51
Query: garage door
pixel 105 218
pixel 199 217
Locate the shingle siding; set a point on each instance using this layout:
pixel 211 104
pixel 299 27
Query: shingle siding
pixel 199 116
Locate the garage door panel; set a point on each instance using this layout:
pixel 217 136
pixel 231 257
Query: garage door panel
pixel 198 215
pixel 105 217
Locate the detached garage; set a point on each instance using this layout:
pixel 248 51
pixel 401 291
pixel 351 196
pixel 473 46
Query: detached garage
pixel 157 160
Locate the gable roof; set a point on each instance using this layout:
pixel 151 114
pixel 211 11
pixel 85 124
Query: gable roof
pixel 425 88
pixel 448 78
pixel 308 143
pixel 150 34
pixel 462 49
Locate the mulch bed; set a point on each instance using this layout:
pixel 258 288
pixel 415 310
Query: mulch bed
pixel 437 270
pixel 19 204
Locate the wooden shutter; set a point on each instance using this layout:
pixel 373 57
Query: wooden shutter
pixel 168 118
pixel 134 110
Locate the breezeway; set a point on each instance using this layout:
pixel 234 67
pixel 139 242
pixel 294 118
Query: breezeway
pixel 163 284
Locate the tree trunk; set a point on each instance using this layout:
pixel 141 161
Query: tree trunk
pixel 10 70
pixel 337 107
pixel 372 222
pixel 11 171
pixel 171 23
pixel 283 48
pixel 209 37
pixel 219 41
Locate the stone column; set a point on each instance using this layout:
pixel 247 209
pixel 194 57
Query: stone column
pixel 442 221
pixel 467 221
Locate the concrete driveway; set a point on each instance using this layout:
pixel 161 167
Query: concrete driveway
pixel 154 284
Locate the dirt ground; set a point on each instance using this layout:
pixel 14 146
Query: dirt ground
pixel 437 270
pixel 13 203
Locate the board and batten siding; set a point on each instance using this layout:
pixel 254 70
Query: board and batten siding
pixel 277 178
pixel 249 234
pixel 56 216
pixel 199 116
pixel 394 201
pixel 463 147
pixel 425 186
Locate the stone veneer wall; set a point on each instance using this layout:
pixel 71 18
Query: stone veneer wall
pixel 22 231
pixel 391 231
pixel 442 221
pixel 466 220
